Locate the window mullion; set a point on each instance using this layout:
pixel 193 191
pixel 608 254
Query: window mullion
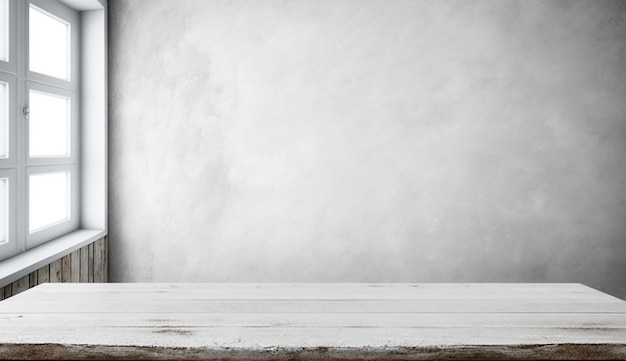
pixel 44 86
pixel 21 58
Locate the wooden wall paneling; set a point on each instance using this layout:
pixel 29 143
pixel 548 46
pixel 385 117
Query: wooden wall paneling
pixel 20 285
pixel 55 271
pixel 90 262
pixel 33 279
pixel 75 266
pixel 84 264
pixel 98 261
pixel 105 265
pixel 43 274
pixel 65 268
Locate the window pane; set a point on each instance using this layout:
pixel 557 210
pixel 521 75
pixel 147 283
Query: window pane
pixel 4 119
pixel 4 210
pixel 49 199
pixel 48 125
pixel 4 30
pixel 49 44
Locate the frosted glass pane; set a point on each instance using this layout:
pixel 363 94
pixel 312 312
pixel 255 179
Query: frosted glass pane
pixel 4 119
pixel 4 30
pixel 49 199
pixel 48 125
pixel 4 210
pixel 49 44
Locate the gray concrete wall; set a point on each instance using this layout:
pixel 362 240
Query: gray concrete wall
pixel 368 141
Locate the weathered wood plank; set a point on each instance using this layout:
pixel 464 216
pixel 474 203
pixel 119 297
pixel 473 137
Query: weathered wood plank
pixel 55 271
pixel 278 337
pixel 20 285
pixel 210 298
pixel 105 264
pixel 356 291
pixel 140 304
pixel 33 279
pixel 90 276
pixel 43 274
pixel 130 319
pixel 486 352
pixel 615 323
pixel 84 264
pixel 98 261
pixel 75 266
pixel 8 291
pixel 66 268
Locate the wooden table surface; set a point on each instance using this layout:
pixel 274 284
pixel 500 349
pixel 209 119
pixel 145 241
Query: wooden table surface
pixel 234 321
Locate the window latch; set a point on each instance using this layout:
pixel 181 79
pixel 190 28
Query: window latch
pixel 26 111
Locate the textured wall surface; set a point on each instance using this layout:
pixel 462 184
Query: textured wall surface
pixel 372 140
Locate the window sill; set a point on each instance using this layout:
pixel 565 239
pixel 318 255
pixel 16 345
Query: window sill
pixel 19 266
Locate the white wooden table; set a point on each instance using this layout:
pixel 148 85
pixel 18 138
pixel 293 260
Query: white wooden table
pixel 313 321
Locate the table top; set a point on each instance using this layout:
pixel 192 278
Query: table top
pixel 340 321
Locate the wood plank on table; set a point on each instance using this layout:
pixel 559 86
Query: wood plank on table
pixel 483 352
pixel 346 292
pixel 132 305
pixel 313 321
pixel 255 338
pixel 614 322
pixel 430 329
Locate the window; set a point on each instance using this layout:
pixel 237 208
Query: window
pixel 52 129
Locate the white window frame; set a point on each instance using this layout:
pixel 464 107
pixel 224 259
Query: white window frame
pixel 11 246
pixel 55 230
pixel 11 65
pixel 67 14
pixel 73 96
pixel 88 158
pixel 11 80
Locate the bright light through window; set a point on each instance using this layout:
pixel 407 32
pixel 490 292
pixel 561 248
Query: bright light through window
pixel 4 118
pixel 48 125
pixel 4 210
pixel 49 44
pixel 49 199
